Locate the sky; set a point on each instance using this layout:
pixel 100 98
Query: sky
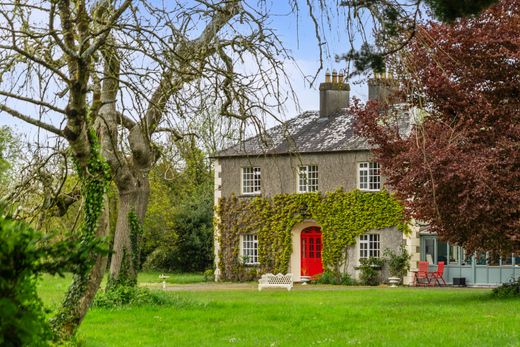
pixel 297 34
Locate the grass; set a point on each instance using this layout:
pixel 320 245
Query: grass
pixel 183 278
pixel 52 288
pixel 324 317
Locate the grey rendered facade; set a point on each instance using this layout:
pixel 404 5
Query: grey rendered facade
pixel 324 140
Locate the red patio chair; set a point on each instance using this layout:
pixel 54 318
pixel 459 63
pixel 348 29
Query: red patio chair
pixel 422 276
pixel 437 275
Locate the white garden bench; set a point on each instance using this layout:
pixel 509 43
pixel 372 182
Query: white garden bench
pixel 275 281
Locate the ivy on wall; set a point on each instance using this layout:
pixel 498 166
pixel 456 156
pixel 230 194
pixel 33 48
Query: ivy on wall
pixel 343 216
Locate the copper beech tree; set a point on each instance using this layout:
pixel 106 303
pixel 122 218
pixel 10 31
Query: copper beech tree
pixel 458 168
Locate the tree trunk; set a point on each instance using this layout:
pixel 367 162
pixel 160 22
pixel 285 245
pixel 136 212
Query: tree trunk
pixel 124 264
pixel 83 289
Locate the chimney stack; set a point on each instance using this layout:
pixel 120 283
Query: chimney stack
pixel 334 94
pixel 383 88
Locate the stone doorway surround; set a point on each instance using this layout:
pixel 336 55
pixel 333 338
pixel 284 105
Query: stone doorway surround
pixel 295 262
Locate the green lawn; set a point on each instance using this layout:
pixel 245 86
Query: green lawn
pixel 324 317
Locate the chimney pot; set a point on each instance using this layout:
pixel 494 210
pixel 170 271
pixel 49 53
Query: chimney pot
pixel 334 94
pixel 383 87
pixel 334 76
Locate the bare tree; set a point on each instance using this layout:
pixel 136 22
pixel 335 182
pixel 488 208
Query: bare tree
pixel 109 77
pixel 186 67
pixel 46 71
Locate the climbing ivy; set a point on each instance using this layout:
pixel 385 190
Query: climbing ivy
pixel 95 179
pixel 129 265
pixel 136 232
pixel 343 216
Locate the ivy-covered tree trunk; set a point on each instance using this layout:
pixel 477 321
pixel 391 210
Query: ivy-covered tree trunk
pixel 95 177
pixel 133 201
pixel 84 286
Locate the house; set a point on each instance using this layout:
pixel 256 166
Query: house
pixel 284 199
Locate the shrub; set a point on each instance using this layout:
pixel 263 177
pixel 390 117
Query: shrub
pixel 120 296
pixel 24 254
pixel 370 271
pixel 329 277
pixel 209 275
pixel 189 246
pixel 510 289
pixel 398 262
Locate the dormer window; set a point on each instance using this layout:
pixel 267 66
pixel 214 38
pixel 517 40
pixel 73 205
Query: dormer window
pixel 307 178
pixel 251 180
pixel 369 176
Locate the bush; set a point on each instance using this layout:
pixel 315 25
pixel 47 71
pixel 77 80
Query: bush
pixel 371 271
pixel 209 275
pixel 510 289
pixel 398 262
pixel 329 277
pixel 120 296
pixel 24 254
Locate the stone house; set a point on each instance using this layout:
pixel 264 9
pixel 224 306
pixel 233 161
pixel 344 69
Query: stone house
pixel 320 152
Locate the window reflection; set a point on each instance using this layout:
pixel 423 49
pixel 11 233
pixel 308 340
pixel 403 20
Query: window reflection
pixel 429 250
pixel 481 258
pixel 442 252
pixel 467 258
pixel 453 252
pixel 508 260
pixel 493 259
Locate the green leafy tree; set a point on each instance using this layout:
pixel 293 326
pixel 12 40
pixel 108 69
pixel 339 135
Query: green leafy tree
pixel 178 227
pixel 9 151
pixel 394 23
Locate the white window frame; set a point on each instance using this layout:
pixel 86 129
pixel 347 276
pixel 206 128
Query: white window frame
pixel 251 180
pixel 307 178
pixel 249 249
pixel 369 246
pixel 372 172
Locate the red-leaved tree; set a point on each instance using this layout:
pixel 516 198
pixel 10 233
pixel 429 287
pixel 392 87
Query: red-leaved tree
pixel 459 167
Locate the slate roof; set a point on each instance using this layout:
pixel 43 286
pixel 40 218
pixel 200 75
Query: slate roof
pixel 307 133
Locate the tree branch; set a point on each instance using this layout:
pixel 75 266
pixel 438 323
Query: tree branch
pixel 30 120
pixel 106 30
pixel 32 101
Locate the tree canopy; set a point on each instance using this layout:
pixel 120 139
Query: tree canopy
pixel 392 24
pixel 459 167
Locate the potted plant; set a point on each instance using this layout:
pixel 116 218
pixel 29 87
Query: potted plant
pixel 398 264
pixel 304 278
pixel 370 270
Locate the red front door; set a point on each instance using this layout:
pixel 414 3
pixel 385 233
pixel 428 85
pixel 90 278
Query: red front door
pixel 311 246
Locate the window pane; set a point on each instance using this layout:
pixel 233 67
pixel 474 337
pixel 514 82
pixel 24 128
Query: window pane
pixel 250 249
pixel 481 258
pixel 429 251
pixel 307 178
pixel 507 260
pixel 453 254
pixel 467 258
pixel 369 176
pixel 493 259
pixel 442 252
pixel 369 246
pixel 251 180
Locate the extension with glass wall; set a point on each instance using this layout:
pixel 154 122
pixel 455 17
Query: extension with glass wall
pixel 482 268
